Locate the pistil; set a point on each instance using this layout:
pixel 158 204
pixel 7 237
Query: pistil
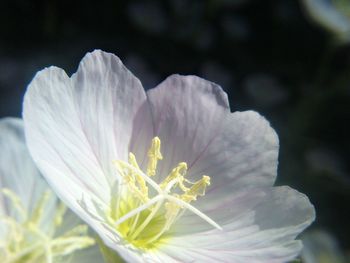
pixel 148 218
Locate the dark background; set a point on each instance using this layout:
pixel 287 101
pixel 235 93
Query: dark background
pixel 267 55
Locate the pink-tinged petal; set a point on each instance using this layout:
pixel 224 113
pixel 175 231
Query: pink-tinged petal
pixel 107 98
pixel 142 134
pixel 235 211
pixel 192 118
pixel 187 114
pixel 275 254
pixel 242 163
pixel 76 127
pixel 17 170
pixel 284 207
pixel 264 233
pixel 243 155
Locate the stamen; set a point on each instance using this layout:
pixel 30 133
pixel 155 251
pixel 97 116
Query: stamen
pixel 140 180
pixel 139 209
pixel 197 189
pixel 177 173
pixel 61 210
pixel 16 201
pixel 129 177
pixel 143 219
pixel 194 210
pixel 147 179
pixel 39 209
pixel 148 219
pixel 134 223
pixel 154 155
pixel 25 241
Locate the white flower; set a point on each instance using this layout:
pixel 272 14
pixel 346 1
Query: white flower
pixel 34 226
pixel 170 175
pixel 333 15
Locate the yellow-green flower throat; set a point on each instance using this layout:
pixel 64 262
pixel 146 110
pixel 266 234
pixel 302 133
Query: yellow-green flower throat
pixel 144 211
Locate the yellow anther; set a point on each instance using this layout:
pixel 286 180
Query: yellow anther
pixel 197 189
pixel 141 216
pixel 61 210
pixel 130 176
pixel 139 178
pixel 132 161
pixel 124 171
pixel 178 174
pixel 154 155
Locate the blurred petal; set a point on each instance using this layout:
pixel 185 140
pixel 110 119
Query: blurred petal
pixel 325 13
pixel 19 174
pixel 88 255
pixel 17 170
pixel 321 246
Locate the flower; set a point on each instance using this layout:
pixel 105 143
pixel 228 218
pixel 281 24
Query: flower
pixel 34 225
pixel 333 15
pixel 170 175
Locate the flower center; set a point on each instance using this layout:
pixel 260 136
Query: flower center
pixel 25 241
pixel 144 211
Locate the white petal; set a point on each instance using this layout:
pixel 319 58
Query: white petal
pixel 237 209
pixel 108 97
pixel 192 118
pixel 267 235
pixel 275 254
pixel 243 155
pixel 17 170
pixel 237 151
pixel 76 127
pixel 142 134
pixel 160 257
pixel 187 114
pixel 242 162
pixel 125 251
